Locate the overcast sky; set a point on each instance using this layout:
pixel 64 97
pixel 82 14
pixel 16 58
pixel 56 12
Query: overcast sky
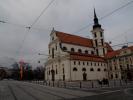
pixel 64 15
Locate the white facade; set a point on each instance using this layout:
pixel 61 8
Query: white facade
pixel 85 64
pixel 64 68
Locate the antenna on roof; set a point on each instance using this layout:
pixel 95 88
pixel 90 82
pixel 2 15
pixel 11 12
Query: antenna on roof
pixel 126 40
pixel 53 29
pixel 110 42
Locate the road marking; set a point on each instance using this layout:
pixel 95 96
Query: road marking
pixel 27 92
pixel 128 92
pixel 54 90
pixel 107 92
pixel 12 92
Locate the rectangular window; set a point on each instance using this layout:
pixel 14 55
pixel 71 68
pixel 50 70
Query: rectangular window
pixel 96 42
pixel 53 53
pixel 74 62
pixel 95 35
pixel 101 34
pixel 102 42
pixel 103 51
pixel 97 51
pixel 49 51
pixel 56 47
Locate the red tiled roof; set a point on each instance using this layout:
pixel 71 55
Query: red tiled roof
pixel 109 48
pixel 78 40
pixel 73 39
pixel 117 52
pixel 86 57
pixel 131 48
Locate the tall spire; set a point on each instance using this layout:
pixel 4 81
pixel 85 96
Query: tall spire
pixel 95 16
pixel 96 23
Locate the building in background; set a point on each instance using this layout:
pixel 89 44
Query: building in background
pixel 73 57
pixel 120 63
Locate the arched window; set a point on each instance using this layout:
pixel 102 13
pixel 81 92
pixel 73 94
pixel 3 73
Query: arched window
pixel 63 70
pixel 115 68
pixel 83 69
pixel 64 48
pixel 72 49
pixel 91 69
pixel 56 71
pixel 105 69
pixel 98 69
pixel 79 50
pixel 49 72
pixel 86 52
pixel 116 76
pixel 111 76
pixel 121 67
pixel 74 69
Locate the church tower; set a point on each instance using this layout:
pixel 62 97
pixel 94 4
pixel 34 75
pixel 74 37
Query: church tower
pixel 98 37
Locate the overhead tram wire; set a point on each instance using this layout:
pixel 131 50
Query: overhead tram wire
pixel 21 26
pixel 114 38
pixel 30 27
pixel 44 10
pixel 122 44
pixel 107 15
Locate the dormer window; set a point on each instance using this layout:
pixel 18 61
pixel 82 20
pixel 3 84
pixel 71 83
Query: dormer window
pixel 79 50
pixel 72 49
pixel 64 48
pixel 86 52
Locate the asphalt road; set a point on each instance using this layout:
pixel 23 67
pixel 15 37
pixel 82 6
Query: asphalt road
pixel 15 90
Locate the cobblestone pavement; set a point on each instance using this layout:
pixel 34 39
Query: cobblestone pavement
pixel 16 90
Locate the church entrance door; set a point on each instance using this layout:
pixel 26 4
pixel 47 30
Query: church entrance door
pixel 53 75
pixel 84 76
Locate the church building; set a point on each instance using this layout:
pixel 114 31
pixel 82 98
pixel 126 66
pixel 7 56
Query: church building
pixel 73 57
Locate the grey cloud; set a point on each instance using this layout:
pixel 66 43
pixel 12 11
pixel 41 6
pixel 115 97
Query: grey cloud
pixel 65 15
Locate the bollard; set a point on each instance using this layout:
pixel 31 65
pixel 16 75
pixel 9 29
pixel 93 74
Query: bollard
pixel 80 85
pixel 120 83
pixel 46 83
pixel 114 83
pixel 43 82
pixel 64 84
pixel 58 84
pixel 92 84
pixel 49 83
pixel 108 83
pixel 53 83
pixel 126 81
